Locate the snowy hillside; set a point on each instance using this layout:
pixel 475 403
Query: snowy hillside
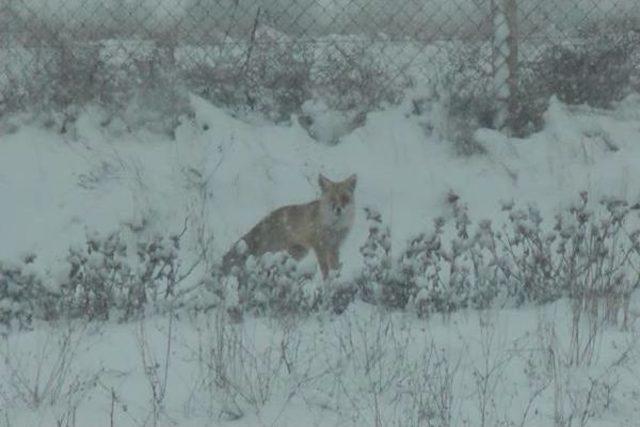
pixel 56 188
pixel 367 366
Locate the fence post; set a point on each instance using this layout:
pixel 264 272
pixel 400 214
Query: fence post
pixel 505 62
pixel 5 23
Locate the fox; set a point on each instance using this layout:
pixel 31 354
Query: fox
pixel 320 226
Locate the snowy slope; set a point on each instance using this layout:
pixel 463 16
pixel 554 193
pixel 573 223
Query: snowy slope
pixel 227 174
pixel 55 188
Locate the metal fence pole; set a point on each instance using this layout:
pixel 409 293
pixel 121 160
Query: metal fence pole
pixel 505 62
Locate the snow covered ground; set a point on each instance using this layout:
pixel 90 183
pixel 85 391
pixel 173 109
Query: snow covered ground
pixel 365 367
pixel 362 368
pixel 56 188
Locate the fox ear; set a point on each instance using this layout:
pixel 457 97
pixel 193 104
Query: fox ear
pixel 323 182
pixel 351 182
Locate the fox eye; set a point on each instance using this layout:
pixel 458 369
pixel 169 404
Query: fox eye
pixel 344 199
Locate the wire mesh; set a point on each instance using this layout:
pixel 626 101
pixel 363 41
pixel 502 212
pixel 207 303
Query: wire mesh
pixel 272 56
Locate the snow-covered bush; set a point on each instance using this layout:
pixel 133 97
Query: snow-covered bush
pixel 273 284
pixel 52 79
pixel 431 274
pixel 133 82
pixel 423 265
pixel 419 269
pixel 272 78
pixel 98 272
pixel 145 82
pixel 454 272
pixel 138 87
pixel 341 296
pixel 23 296
pixel 459 98
pixel 104 281
pixel 596 71
pixel 351 74
pixel 586 254
pixel 379 282
pixel 278 74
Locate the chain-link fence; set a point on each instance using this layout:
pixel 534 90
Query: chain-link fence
pixel 491 62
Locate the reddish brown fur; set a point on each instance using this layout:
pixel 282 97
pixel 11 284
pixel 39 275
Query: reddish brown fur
pixel 320 225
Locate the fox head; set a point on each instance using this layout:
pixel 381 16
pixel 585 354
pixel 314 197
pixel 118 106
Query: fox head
pixel 337 199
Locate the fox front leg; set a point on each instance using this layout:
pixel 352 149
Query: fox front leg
pixel 322 255
pixel 333 260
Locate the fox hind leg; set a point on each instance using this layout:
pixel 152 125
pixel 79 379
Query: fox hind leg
pixel 298 252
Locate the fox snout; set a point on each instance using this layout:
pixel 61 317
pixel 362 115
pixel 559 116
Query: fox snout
pixel 340 204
